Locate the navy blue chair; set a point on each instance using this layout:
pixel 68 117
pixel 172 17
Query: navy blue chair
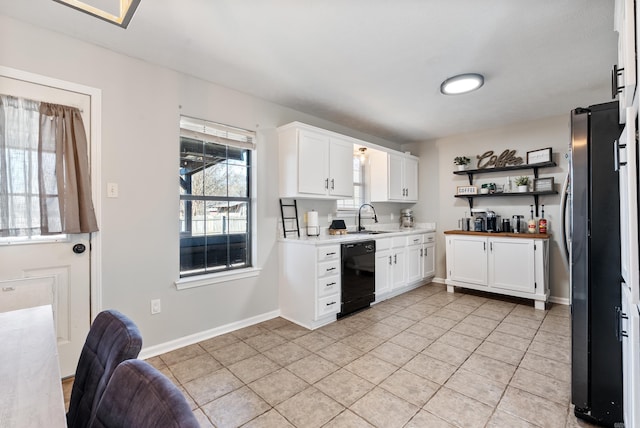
pixel 138 395
pixel 112 339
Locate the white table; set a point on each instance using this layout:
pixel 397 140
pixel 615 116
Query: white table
pixel 30 386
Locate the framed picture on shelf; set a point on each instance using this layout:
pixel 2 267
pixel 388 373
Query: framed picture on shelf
pixel 543 184
pixel 467 190
pixel 539 156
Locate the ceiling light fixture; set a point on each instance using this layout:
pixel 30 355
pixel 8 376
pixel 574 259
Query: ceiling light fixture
pixel 125 8
pixel 462 83
pixel 363 154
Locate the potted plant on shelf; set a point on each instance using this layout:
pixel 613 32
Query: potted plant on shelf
pixel 462 162
pixel 522 183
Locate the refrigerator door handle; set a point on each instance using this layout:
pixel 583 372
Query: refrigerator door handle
pixel 563 209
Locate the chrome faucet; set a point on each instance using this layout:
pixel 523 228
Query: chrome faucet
pixel 375 217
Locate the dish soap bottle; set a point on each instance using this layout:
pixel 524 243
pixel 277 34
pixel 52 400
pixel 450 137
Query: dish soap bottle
pixel 531 226
pixel 542 223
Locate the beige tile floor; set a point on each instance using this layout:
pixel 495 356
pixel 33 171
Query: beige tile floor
pixel 426 358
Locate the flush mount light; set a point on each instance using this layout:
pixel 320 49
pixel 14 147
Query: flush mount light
pixel 118 12
pixel 462 83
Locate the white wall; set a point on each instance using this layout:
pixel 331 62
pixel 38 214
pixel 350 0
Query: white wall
pixel 141 105
pixel 438 183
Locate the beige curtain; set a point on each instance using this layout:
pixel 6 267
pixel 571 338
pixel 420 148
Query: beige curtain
pixel 65 203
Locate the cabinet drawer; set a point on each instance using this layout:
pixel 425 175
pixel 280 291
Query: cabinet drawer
pixel 383 244
pixel 328 305
pixel 328 253
pixel 429 237
pixel 414 240
pixel 329 285
pixel 399 241
pixel 328 268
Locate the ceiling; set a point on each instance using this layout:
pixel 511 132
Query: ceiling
pixel 372 65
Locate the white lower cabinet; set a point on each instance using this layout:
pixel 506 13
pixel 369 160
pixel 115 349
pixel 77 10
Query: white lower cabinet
pixel 384 268
pixel 467 259
pixel 390 266
pixel 505 265
pixel 414 258
pixel 310 274
pixel 429 256
pixel 630 334
pixel 403 263
pixel 309 283
pixel 511 264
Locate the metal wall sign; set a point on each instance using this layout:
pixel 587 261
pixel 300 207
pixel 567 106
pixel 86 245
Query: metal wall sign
pixel 490 160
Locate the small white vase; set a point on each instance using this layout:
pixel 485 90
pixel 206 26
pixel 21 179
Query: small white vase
pixel 462 167
pixel 523 188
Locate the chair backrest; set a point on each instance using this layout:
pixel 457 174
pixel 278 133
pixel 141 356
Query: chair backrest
pixel 112 338
pixel 138 395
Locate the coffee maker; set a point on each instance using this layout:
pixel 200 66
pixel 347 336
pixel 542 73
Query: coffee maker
pixel 480 219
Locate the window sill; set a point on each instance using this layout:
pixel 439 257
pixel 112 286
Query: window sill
pixel 215 278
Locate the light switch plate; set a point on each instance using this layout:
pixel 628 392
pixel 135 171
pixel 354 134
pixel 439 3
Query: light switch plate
pixel 112 190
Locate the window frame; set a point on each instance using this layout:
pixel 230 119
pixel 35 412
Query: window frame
pixel 361 184
pixel 210 275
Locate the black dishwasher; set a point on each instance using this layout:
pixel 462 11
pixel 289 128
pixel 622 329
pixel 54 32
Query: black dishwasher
pixel 358 276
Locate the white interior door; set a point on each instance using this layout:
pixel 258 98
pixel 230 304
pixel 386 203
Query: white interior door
pixel 36 269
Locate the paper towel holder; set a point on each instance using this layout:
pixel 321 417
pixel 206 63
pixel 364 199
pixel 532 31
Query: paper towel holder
pixel 313 227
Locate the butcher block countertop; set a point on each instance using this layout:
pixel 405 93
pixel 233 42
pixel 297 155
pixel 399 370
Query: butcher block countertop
pixel 499 234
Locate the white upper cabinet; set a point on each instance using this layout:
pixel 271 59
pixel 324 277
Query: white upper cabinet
pixel 341 168
pixel 624 73
pixel 314 163
pixel 394 177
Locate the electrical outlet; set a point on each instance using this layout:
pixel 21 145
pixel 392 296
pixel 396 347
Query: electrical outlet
pixel 155 306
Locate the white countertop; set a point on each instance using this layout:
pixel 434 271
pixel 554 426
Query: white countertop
pixel 325 238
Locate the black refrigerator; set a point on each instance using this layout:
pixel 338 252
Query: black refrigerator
pixel 594 264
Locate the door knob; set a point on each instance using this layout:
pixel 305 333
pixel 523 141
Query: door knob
pixel 79 248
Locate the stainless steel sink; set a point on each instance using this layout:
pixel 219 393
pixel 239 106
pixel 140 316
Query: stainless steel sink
pixel 367 232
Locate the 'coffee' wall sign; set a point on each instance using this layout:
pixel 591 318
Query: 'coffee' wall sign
pixel 489 160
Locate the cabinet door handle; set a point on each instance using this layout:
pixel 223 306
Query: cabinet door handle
pixel 615 73
pixel 332 184
pixel 491 247
pixel 331 254
pixel 330 269
pixel 332 303
pixel 331 284
pixel 617 163
pixel 421 252
pixel 426 251
pixel 620 332
pixel 326 183
pixel 395 259
pixel 390 261
pixel 484 246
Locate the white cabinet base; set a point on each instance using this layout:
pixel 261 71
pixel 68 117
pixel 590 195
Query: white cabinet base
pixel 500 264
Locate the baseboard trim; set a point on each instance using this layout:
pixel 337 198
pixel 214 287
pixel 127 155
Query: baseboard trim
pixel 172 345
pixel 560 300
pixel 438 280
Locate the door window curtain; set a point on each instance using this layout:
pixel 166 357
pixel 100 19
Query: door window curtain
pixel 45 185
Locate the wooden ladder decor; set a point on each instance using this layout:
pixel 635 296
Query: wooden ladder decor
pixel 293 206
